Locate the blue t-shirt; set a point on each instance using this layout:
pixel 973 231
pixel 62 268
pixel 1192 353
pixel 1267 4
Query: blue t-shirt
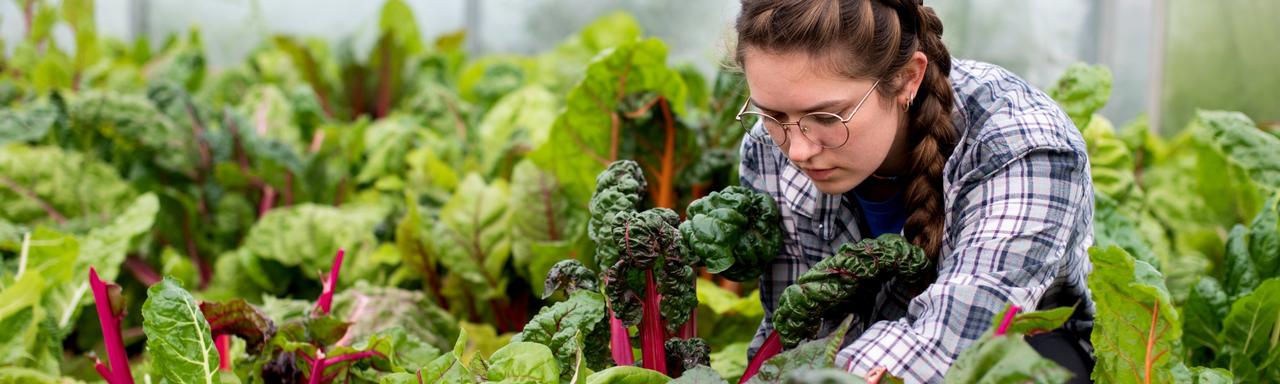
pixel 886 216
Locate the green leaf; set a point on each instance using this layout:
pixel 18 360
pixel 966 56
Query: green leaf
pixel 547 220
pixel 1005 359
pixel 1136 333
pixel 1251 334
pixel 178 335
pixel 1237 139
pixel 308 235
pixel 474 238
pixel 523 362
pixel 699 375
pixel 1202 375
pixel 1112 226
pixel 1203 312
pixel 26 341
pixel 730 361
pixel 627 375
pixel 1035 322
pixel 1264 239
pixel 1241 273
pixel 450 367
pixel 37 183
pixel 822 376
pixel 1082 90
pixel 734 232
pixel 26 124
pixel 810 355
pixel 580 146
pixel 648 242
pixel 1111 164
pixel 401 351
pixel 375 309
pixel 519 122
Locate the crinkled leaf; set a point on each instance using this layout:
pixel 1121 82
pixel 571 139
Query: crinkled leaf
pixel 579 323
pixel 812 354
pixel 836 280
pixel 734 232
pixel 1136 332
pixel 571 276
pixel 308 235
pixel 77 187
pixel 685 354
pixel 374 309
pixel 649 241
pixel 178 335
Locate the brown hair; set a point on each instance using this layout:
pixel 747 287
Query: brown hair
pixel 874 39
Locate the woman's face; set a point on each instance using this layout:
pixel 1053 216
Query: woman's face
pixel 788 85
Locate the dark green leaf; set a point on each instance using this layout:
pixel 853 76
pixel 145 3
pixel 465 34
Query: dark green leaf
pixel 571 276
pixel 1251 334
pixel 734 232
pixel 237 317
pixel 579 323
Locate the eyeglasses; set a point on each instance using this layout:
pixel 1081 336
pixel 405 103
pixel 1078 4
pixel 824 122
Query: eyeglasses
pixel 826 129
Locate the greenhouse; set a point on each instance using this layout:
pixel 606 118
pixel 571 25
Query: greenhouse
pixel 639 191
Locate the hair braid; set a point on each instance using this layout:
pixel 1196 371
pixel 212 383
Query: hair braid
pixel 932 135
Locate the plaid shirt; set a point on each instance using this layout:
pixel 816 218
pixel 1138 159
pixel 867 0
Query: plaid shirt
pixel 1019 213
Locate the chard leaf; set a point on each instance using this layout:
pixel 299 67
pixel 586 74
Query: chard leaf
pixel 237 317
pixel 473 237
pixel 1005 359
pixel 524 362
pixel 836 280
pixel 810 355
pixel 571 276
pixel 178 335
pixel 1082 90
pixel 1251 332
pixel 547 227
pixel 734 232
pixel 701 374
pixel 1202 313
pixel 1136 333
pixel 1236 138
pixel 26 124
pixel 559 326
pixel 47 185
pixel 627 375
pixel 578 148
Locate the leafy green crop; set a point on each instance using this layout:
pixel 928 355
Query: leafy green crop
pixel 836 280
pixel 735 232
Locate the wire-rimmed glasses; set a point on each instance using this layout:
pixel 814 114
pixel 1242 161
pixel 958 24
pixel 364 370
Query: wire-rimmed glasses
pixel 826 129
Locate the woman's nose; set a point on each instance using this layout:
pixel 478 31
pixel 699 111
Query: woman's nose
pixel 800 149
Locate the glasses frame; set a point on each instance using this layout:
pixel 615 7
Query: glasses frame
pixel 804 131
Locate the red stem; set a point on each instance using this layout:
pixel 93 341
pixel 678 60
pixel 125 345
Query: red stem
pixel 48 208
pixel 652 336
pixel 141 270
pixel 223 342
pixel 118 372
pixel 619 341
pixel 772 347
pixel 690 328
pixel 326 296
pixel 1008 319
pixel 288 188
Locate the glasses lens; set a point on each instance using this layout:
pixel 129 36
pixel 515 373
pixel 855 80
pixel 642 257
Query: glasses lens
pixel 826 129
pixel 772 130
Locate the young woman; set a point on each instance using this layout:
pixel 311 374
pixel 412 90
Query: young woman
pixel 861 124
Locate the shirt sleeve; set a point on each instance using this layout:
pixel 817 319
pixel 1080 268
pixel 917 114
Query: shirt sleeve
pixel 1009 242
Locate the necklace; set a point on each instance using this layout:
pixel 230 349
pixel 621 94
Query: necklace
pixel 885 178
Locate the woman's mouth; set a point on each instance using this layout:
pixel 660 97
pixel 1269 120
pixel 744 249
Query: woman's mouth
pixel 819 174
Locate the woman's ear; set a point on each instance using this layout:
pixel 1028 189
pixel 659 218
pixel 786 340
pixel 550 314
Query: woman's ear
pixel 912 75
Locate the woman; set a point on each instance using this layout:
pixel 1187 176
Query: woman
pixel 861 124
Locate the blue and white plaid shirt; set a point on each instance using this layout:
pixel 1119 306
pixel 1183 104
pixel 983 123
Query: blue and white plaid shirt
pixel 1019 214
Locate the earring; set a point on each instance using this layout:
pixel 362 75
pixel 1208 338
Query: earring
pixel 907 104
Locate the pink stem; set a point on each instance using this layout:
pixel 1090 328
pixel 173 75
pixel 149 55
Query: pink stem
pixel 110 323
pixel 268 200
pixel 652 334
pixel 690 328
pixel 317 369
pixel 326 296
pixel 103 371
pixel 620 342
pixel 224 352
pixel 772 347
pixel 1008 319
